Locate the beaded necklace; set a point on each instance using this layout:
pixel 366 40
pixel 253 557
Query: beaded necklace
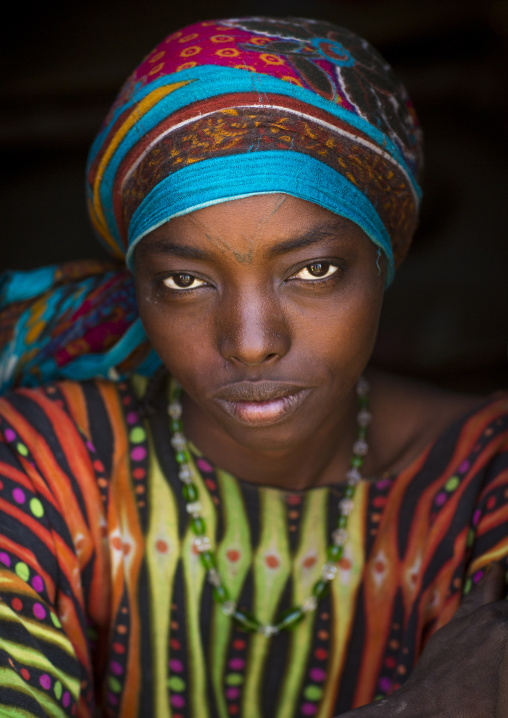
pixel 290 618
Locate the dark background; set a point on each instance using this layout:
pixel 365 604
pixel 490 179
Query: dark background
pixel 446 316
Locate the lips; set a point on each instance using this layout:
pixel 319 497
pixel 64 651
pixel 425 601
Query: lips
pixel 259 403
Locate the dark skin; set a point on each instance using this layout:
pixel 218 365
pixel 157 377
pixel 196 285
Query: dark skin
pixel 265 309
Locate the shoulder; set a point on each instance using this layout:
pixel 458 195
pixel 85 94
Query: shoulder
pixel 410 415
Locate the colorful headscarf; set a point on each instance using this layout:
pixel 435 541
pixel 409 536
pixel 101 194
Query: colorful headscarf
pixel 218 111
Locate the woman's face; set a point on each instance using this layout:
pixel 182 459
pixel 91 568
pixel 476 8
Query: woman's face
pixel 265 309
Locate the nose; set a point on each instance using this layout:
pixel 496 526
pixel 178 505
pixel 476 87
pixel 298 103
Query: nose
pixel 253 328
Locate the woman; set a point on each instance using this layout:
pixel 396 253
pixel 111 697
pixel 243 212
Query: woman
pixel 272 538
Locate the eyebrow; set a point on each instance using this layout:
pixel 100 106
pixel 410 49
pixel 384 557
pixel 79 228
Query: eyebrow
pixel 309 237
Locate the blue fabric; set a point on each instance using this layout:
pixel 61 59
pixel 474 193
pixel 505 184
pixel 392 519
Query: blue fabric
pixel 220 179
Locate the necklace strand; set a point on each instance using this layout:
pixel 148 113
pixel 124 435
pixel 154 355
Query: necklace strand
pixel 335 550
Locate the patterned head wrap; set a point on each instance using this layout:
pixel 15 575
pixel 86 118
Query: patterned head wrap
pixel 229 109
pixel 217 111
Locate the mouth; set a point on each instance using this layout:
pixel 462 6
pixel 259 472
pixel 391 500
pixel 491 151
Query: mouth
pixel 260 403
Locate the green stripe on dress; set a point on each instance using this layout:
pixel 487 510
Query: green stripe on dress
pixel 194 576
pixel 309 559
pixel 271 568
pixel 162 551
pixel 235 543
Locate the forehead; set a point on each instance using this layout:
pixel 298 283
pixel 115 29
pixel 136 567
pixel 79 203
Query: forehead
pixel 254 225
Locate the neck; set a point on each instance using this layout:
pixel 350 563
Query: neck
pixel 323 460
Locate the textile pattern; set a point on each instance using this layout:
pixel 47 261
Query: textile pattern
pixel 98 567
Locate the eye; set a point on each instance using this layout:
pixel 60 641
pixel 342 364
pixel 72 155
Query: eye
pixel 181 281
pixel 316 270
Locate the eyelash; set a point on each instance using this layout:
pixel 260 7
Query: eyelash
pixel 326 279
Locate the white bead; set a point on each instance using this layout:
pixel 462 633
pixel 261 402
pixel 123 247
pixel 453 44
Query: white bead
pixel 362 387
pixel 194 508
pixel 228 608
pixel 329 571
pixel 268 631
pixel 202 543
pixel 360 447
pixel 178 442
pixel 185 474
pixel 339 537
pixel 310 604
pixel 213 577
pixel 346 506
pixel 353 475
pixel 364 417
pixel 175 410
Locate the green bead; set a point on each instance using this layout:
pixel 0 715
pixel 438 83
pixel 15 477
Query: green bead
pixel 245 620
pixel 289 619
pixel 220 593
pixel 176 426
pixel 321 588
pixel 208 560
pixel 356 461
pixel 349 492
pixel 198 525
pixel 342 522
pixel 334 553
pixel 362 432
pixel 363 401
pixel 181 457
pixel 190 492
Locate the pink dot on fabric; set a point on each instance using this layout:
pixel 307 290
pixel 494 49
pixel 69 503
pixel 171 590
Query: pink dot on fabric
pixel 132 417
pixel 19 496
pixel 478 576
pixel 236 664
pixel 39 611
pixel 10 435
pixel 177 701
pixel 176 665
pixel 318 675
pixel 204 465
pixel 476 517
pixel 4 558
pixel 440 499
pixel 112 699
pixel 66 699
pixel 464 467
pixel 90 446
pixel 309 709
pixel 232 694
pixel 385 684
pixel 38 584
pixel 383 484
pixel 116 668
pixel 138 454
pixel 45 681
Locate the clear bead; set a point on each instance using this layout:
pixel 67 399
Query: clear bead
pixel 213 577
pixel 362 387
pixel 178 442
pixel 339 537
pixel 194 508
pixel 360 447
pixel 353 475
pixel 202 543
pixel 228 607
pixel 268 630
pixel 175 410
pixel 310 604
pixel 185 474
pixel 329 571
pixel 364 417
pixel 346 506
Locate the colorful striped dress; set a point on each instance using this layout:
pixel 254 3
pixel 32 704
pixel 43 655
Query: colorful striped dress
pixel 104 605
